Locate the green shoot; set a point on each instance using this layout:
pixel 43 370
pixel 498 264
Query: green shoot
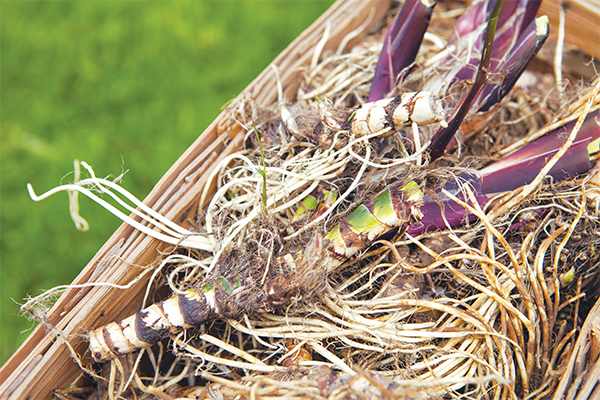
pixel 307 206
pixel 263 173
pixel 442 137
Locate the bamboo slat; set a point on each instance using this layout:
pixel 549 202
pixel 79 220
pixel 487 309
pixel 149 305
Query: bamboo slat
pixel 43 363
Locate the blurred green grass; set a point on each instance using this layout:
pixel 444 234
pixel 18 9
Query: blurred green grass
pixel 121 85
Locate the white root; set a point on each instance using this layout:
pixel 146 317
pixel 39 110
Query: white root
pixel 173 233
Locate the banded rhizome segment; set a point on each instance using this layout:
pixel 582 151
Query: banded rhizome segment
pixel 261 274
pixel 248 278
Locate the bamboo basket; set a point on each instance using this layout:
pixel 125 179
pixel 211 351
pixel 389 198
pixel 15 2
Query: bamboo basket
pixel 44 363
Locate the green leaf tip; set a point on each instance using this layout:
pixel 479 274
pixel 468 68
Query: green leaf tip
pixel 263 173
pixel 308 205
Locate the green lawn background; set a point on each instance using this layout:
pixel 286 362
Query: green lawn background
pixel 121 85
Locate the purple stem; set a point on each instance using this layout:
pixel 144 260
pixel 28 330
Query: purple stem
pixel 476 15
pixel 443 136
pixel 400 46
pixel 517 60
pixel 513 171
pixel 522 166
pixel 433 216
pixel 510 55
pixel 531 9
pixel 507 32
